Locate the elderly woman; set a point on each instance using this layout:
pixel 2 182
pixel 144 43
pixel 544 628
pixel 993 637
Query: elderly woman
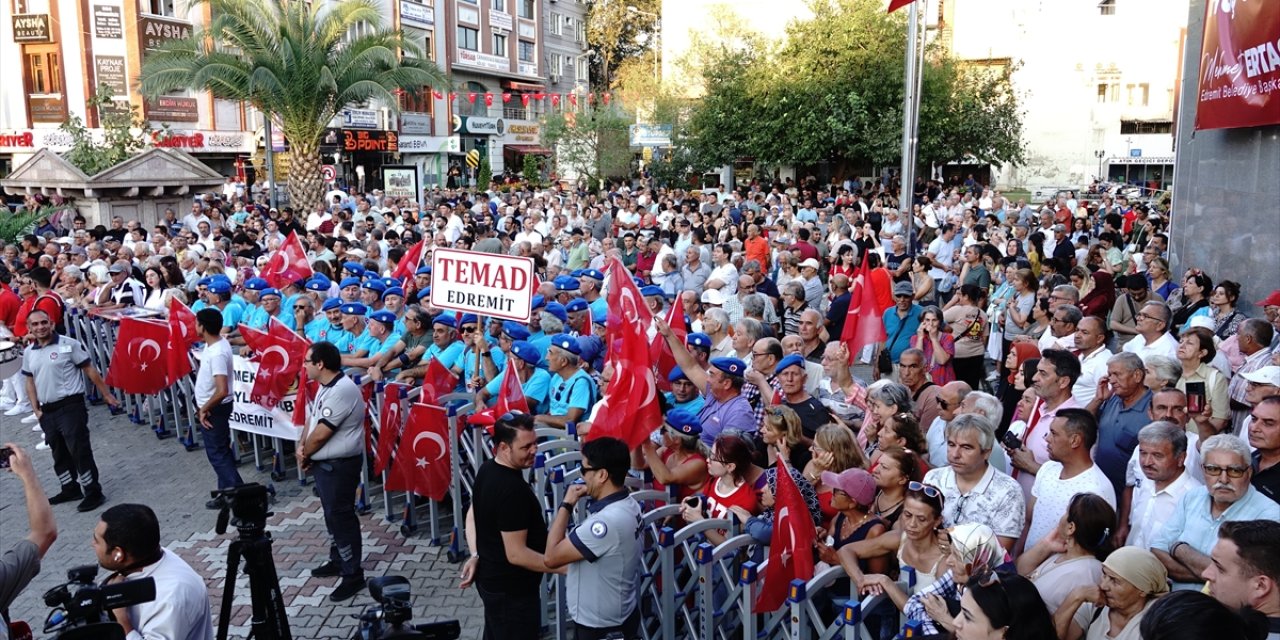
pixel 746 332
pixel 681 461
pixel 884 399
pixel 71 285
pixel 1162 372
pixel 1132 579
pixel 975 550
pixel 1196 350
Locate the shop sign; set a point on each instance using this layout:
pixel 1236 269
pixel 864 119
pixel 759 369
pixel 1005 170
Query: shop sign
pixel 173 109
pixel 359 119
pixel 416 13
pixel 499 20
pixel 429 144
pixel 415 122
pixel 1141 159
pixel 111 71
pixel 523 132
pixel 469 15
pixel 31 27
pixel 527 68
pixel 107 22
pixel 154 31
pixel 483 60
pixel 199 141
pixel 477 125
pixel 371 141
pixel 47 109
pixel 400 181
pixel 17 139
pixel 650 135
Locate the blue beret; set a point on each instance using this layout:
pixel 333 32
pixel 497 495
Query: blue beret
pixel 319 284
pixel 575 305
pixel 424 292
pixel 566 283
pixel 576 273
pixel 468 318
pixel 256 284
pixel 538 302
pixel 270 291
pixel 349 282
pixel 204 282
pixel 731 366
pixel 393 291
pixel 219 286
pixel 389 282
pixel 590 346
pixel 353 267
pixel 676 374
pixel 445 319
pixel 375 285
pixel 566 342
pixel 220 277
pixel 517 331
pixel 384 316
pixel 793 360
pixel 331 303
pixel 526 351
pixel 556 309
pixel 684 422
pixel 698 340
pixel 600 320
pixel 424 270
pixel 354 309
pixel 639 281
pixel 594 274
pixel 651 290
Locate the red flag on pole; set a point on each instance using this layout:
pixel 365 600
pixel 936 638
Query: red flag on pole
pixel 182 334
pixel 390 423
pixel 894 5
pixel 408 265
pixel 437 381
pixel 138 362
pixel 510 393
pixel 279 361
pixel 660 352
pixel 791 548
pixel 863 325
pixel 421 464
pixel 288 264
pixel 629 408
pixel 306 389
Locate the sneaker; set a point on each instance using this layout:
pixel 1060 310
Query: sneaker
pixel 31 419
pixel 91 502
pixel 37 428
pixel 66 496
pixel 18 409
pixel 7 404
pixel 216 503
pixel 348 588
pixel 326 570
pixel 43 446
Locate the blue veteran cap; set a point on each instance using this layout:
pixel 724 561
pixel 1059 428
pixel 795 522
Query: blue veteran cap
pixel 393 291
pixel 556 309
pixel 676 374
pixel 349 282
pixel 731 366
pixel 331 303
pixel 594 274
pixel 793 360
pixel 517 331
pixel 701 340
pixel 445 319
pixel 270 291
pixel 575 305
pixel 354 309
pixel 651 290
pixel 385 317
pixel 684 422
pixel 526 351
pixel 256 284
pixel 353 267
pixel 375 285
pixel 566 342
pixel 566 283
pixel 319 283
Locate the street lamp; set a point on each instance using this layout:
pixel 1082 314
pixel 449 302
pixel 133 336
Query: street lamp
pixel 657 32
pixel 1099 154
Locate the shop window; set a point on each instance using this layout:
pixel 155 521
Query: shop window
pixel 477 108
pixel 416 101
pixel 1140 126
pixel 44 70
pixel 468 38
pixel 160 7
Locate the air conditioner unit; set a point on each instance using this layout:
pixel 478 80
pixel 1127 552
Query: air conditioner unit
pixel 555 77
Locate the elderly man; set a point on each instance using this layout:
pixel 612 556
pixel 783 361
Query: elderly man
pixel 1069 470
pixel 1157 490
pixel 1245 568
pixel 811 333
pixel 794 345
pixel 1254 338
pixel 1121 404
pixel 793 306
pixel 1153 336
pixel 722 383
pixel 793 378
pixel 1183 546
pixel 901 321
pixel 814 292
pixel 573 392
pixel 975 491
pixel 1062 328
pixel 924 393
pixel 950 398
pixel 1264 437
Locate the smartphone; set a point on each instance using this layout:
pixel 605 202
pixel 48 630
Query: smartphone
pixel 1011 440
pixel 5 452
pixel 1195 397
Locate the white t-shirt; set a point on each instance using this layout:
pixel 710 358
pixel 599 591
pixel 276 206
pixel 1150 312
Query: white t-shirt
pixel 215 360
pixel 1092 368
pixel 1165 345
pixel 1053 495
pixel 727 274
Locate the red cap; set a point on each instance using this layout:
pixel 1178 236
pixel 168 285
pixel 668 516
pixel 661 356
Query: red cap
pixel 1272 300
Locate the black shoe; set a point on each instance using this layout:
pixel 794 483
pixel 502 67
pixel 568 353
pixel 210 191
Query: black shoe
pixel 348 588
pixel 66 496
pixel 326 570
pixel 216 503
pixel 91 502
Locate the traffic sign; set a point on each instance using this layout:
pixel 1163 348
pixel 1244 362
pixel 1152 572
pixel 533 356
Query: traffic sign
pixel 329 173
pixel 486 284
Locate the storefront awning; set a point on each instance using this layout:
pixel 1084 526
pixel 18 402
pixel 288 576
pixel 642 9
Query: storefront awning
pixel 528 149
pixel 522 86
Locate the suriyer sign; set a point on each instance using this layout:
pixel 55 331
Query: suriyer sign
pixel 485 284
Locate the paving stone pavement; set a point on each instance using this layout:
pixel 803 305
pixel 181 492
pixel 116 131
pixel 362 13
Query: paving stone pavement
pixel 136 467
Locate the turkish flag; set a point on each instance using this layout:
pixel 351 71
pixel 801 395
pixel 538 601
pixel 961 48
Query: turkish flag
pixel 510 393
pixel 306 390
pixel 629 408
pixel 279 361
pixel 524 99
pixel 408 265
pixel 605 98
pixel 555 99
pixel 584 329
pixel 437 95
pixel 791 548
pixel 137 362
pixel 573 99
pixel 660 352
pixel 182 334
pixel 288 264
pixel 422 464
pixel 488 99
pixel 894 5
pixel 438 381
pixel 471 97
pixel 506 97
pixel 389 425
pixel 864 324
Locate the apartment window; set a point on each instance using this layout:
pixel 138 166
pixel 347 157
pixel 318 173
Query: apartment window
pixel 568 68
pixel 499 45
pixel 557 61
pixel 527 51
pixel 557 23
pixel 468 38
pixel 526 8
pixel 500 5
pixel 1128 94
pixel 429 45
pixel 416 101
pixel 583 69
pixel 44 71
pixel 1146 93
pixel 1140 126
pixel 1107 7
pixel 161 7
pixel 1102 93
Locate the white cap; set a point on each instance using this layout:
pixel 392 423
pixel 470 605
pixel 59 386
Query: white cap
pixel 1266 375
pixel 810 262
pixel 712 296
pixel 1204 322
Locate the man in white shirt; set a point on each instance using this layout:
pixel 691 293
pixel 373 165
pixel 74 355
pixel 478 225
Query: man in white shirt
pixel 725 275
pixel 1091 347
pixel 213 397
pixel 1063 322
pixel 1069 470
pixel 950 399
pixel 1158 489
pixel 1153 332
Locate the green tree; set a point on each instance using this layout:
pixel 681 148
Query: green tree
pixel 297 61
pixel 532 174
pixel 124 133
pixel 618 30
pixel 591 144
pixel 485 174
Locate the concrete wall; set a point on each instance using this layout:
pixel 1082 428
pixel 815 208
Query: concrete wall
pixel 1226 195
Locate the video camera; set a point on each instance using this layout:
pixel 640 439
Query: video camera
pixel 80 606
pixel 247 503
pixel 390 620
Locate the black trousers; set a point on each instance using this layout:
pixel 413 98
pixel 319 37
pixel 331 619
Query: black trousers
pixel 628 630
pixel 511 616
pixel 66 431
pixel 337 481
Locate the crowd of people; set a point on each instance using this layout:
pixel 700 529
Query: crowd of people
pixel 1056 431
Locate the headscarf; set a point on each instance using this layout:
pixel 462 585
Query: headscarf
pixel 807 492
pixel 1139 568
pixel 978 546
pixel 1098 302
pixel 1025 351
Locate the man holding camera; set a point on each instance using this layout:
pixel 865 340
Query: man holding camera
pixel 127 543
pixel 21 562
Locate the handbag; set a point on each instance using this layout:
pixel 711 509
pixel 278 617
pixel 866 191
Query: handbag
pixel 883 362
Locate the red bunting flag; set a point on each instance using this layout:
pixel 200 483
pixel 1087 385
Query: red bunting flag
pixel 138 362
pixel 539 96
pixel 471 97
pixel 573 99
pixel 863 325
pixel 422 464
pixel 591 99
pixel 390 424
pixel 182 334
pixel 605 97
pixel 437 381
pixel 629 407
pixel 506 97
pixel 791 548
pixel 453 95
pixel 660 352
pixel 488 99
pixel 437 94
pixel 524 100
pixel 555 99
pixel 288 264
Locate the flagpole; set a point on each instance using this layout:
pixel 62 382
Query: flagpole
pixel 910 122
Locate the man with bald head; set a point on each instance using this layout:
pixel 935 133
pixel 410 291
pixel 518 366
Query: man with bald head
pixel 811 332
pixel 1091 349
pixel 949 399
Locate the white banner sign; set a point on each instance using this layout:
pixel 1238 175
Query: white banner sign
pixel 254 418
pixel 485 284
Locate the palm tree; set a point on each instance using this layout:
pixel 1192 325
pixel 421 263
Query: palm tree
pixel 298 63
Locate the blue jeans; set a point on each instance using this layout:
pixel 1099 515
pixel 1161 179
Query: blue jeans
pixel 217 447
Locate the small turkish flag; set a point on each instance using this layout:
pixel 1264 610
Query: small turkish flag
pixel 791 548
pixel 506 97
pixel 863 325
pixel 438 381
pixel 488 99
pixel 471 97
pixel 555 99
pixel 390 424
pixel 524 99
pixel 288 264
pixel 605 97
pixel 138 362
pixel 660 352
pixel 437 95
pixel 422 463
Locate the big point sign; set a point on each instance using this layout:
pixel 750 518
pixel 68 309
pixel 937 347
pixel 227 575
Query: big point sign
pixel 486 284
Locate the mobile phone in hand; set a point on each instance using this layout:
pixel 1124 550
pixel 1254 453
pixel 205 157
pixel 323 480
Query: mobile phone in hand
pixel 1011 440
pixel 1195 397
pixel 5 452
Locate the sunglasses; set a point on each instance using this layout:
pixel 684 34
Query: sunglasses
pixel 1213 471
pixel 927 489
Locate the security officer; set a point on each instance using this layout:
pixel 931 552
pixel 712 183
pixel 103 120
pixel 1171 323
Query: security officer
pixel 603 551
pixel 52 365
pixel 330 448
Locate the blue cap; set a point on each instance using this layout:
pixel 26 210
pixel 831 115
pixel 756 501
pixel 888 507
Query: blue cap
pixel 731 366
pixel 424 270
pixel 591 347
pixel 526 351
pixel 698 340
pixel 270 291
pixel 793 360
pixel 445 319
pixel 424 292
pixel 575 305
pixel 349 282
pixel 538 302
pixel 517 331
pixel 638 280
pixel 374 285
pixel 319 284
pixel 353 267
pixel 385 317
pixel 331 303
pixel 600 320
pixel 256 284
pixel 219 286
pixel 566 342
pixel 651 290
pixel 676 374
pixel 393 291
pixel 566 283
pixel 389 282
pixel 468 318
pixel 684 422
pixel 556 309
pixel 576 273
pixel 354 309
pixel 204 282
pixel 594 274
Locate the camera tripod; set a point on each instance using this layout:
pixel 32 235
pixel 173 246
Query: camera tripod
pixel 269 621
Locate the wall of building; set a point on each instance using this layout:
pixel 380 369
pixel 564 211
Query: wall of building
pixel 1226 199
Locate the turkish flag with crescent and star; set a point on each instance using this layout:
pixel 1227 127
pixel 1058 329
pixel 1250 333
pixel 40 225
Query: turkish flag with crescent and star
pixel 864 324
pixel 279 353
pixel 629 409
pixel 288 264
pixel 182 334
pixel 660 352
pixel 390 422
pixel 791 547
pixel 138 362
pixel 422 463
pixel 408 267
